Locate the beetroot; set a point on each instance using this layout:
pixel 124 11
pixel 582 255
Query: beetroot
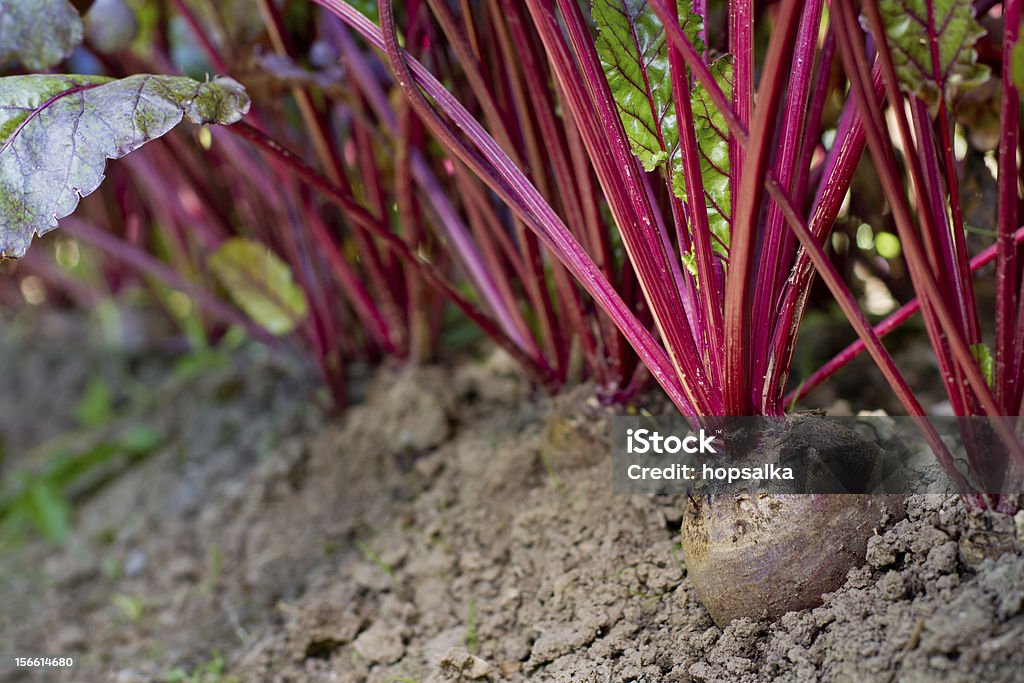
pixel 756 555
pixel 754 552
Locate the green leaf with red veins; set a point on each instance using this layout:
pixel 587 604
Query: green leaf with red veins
pixel 57 132
pixel 913 26
pixel 634 54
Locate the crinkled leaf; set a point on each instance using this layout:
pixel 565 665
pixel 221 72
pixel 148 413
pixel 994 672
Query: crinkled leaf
pixel 911 31
pixel 38 33
pixel 56 133
pixel 260 283
pixel 713 144
pixel 634 54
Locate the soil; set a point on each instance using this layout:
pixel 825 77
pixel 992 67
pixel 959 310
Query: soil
pixel 450 527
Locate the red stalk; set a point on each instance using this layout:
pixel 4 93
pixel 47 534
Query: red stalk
pixel 517 192
pixel 933 302
pixel 645 240
pixel 711 299
pixel 935 238
pixel 327 153
pixel 882 329
pixel 741 47
pixel 535 284
pixel 350 283
pixel 362 219
pixel 836 176
pixel 491 233
pixel 446 218
pixel 366 309
pixel 812 130
pixel 1007 359
pixel 552 140
pixel 738 287
pixel 958 237
pixel 860 323
pixel 778 248
pixel 410 221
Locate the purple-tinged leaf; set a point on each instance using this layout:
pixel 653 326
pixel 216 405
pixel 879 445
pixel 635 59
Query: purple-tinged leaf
pixel 57 132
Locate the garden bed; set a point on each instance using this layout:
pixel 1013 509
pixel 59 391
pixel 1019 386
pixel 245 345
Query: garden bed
pixel 450 525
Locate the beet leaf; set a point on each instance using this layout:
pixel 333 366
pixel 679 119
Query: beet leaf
pixel 631 45
pixel 932 46
pixel 56 133
pixel 260 283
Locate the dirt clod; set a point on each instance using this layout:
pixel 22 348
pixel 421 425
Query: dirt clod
pixel 457 664
pixel 380 644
